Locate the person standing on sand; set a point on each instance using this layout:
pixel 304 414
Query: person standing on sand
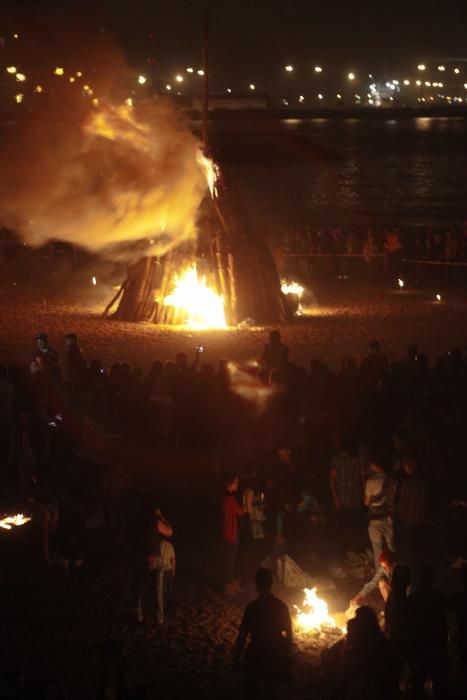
pixel 266 621
pixel 231 511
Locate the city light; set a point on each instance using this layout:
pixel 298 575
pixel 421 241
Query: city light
pixel 301 98
pixel 289 68
pixel 320 96
pixel 465 86
pixel 421 66
pixel 252 86
pixel 229 90
pixel 457 71
pixel 141 79
pixel 20 77
pixel 441 68
pixel 15 36
pixel 418 83
pixel 71 79
pixel 38 88
pixel 351 76
pixel 200 71
pixel 179 78
pixel 59 71
pixel 427 83
pixel 129 102
pixel 339 96
pixel 19 98
pixel 318 69
pixel 168 87
pixel 11 70
pixel 406 82
pixel 189 70
pixel 79 74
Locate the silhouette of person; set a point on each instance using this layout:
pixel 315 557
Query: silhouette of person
pixel 266 621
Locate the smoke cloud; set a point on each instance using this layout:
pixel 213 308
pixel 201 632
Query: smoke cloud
pixel 86 163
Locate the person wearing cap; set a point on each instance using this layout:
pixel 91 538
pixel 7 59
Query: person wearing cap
pixel 75 363
pixel 382 579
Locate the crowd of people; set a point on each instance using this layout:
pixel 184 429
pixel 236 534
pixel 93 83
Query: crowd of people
pixel 304 461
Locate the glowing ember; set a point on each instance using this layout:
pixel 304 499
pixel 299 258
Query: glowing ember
pixel 400 283
pixel 315 616
pixel 198 303
pixel 13 520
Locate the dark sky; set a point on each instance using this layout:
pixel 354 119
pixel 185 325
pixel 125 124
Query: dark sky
pixel 252 40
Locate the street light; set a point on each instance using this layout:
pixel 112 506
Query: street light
pixel 457 71
pixel 421 66
pixel 406 82
pixel 200 72
pixel 179 78
pixel 141 79
pixel 441 68
pixel 168 87
pixel 189 70
pixel 320 96
pixel 351 76
pixel 289 68
pixel 252 86
pixel 318 69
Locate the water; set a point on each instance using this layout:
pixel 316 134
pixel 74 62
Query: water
pixel 408 172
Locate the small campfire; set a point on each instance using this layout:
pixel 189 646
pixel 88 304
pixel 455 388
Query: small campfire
pixel 11 521
pixel 313 622
pixel 295 289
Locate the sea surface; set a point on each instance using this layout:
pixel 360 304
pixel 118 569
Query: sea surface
pixel 410 172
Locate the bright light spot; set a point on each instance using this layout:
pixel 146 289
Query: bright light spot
pixel 284 102
pixel 320 96
pixel 427 83
pixel 189 70
pixel 400 283
pixel 179 78
pixel 438 297
pixel 406 82
pixel 291 288
pixel 198 305
pixel 19 98
pixel 418 82
pixel 168 87
pixel 79 74
pixel 38 88
pixel 129 102
pixel 72 79
pixel 15 36
pixel 395 82
pixel 141 79
pixel 440 84
pixel 457 71
pixel 301 98
pixel 201 71
pixel 94 281
pixel 95 102
pixel 86 88
pixel 441 68
pixel 229 90
pixel 289 68
pixel 11 70
pixel 252 86
pixel 318 69
pixel 20 77
pixel 59 71
pixel 339 96
pixel 13 520
pixel 315 614
pixel 421 66
pixel 465 86
pixel 351 76
pixel 370 101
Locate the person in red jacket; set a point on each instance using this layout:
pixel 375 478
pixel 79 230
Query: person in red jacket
pixel 231 511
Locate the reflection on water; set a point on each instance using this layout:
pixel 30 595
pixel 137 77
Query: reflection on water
pixel 405 171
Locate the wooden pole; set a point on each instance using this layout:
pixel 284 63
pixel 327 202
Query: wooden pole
pixel 206 83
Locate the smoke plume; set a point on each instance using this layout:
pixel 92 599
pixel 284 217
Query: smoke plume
pixel 86 162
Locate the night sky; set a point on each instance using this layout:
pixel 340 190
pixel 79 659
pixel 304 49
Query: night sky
pixel 253 40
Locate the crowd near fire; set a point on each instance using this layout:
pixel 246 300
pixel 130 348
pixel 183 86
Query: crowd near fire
pixel 201 524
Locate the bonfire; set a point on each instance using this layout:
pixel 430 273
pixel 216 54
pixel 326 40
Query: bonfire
pixel 313 621
pixel 11 521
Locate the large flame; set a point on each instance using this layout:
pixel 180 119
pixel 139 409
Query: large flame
pixel 315 615
pixel 196 302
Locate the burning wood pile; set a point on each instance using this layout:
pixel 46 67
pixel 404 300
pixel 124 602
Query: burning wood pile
pixel 228 276
pixel 314 626
pixel 11 521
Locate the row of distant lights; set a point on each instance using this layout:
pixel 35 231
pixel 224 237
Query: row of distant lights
pixel 21 78
pixel 401 284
